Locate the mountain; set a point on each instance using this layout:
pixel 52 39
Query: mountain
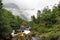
pixel 16 10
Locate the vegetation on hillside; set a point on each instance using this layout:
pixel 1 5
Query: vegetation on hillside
pixel 47 23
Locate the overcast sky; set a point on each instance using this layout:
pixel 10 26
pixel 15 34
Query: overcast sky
pixel 33 4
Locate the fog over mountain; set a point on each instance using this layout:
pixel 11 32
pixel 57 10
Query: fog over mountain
pixel 26 8
pixel 11 5
pixel 17 11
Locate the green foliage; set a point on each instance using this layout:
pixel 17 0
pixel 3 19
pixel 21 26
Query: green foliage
pixel 15 22
pixel 36 20
pixel 48 23
pixel 5 28
pixel 33 19
pixel 4 23
pixel 51 34
pixel 7 22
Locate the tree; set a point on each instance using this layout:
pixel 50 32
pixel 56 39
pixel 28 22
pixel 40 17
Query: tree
pixel 33 19
pixel 5 28
pixel 49 17
pixel 16 22
pixel 1 4
pixel 38 17
pixel 36 20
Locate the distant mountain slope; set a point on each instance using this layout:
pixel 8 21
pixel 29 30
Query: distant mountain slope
pixel 11 5
pixel 16 10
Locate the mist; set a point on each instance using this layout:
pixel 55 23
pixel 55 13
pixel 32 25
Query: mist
pixel 26 8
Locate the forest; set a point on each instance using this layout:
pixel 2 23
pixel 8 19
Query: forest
pixel 47 23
